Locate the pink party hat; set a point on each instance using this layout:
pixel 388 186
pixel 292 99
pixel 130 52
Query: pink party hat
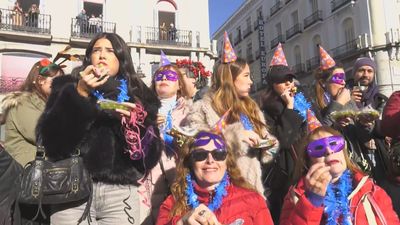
pixel 228 54
pixel 326 60
pixel 279 57
pixel 164 60
pixel 312 121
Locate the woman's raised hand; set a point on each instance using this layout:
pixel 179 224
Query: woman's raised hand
pixel 201 215
pixel 318 178
pixel 250 137
pixel 91 77
pixel 288 97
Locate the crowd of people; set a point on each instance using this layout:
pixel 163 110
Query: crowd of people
pixel 29 18
pixel 184 152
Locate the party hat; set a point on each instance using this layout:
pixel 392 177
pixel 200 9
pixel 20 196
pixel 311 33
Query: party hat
pixel 219 126
pixel 326 60
pixel 279 57
pixel 228 54
pixel 164 60
pixel 312 121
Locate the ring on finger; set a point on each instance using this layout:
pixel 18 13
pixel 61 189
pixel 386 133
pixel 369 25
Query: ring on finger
pixel 202 212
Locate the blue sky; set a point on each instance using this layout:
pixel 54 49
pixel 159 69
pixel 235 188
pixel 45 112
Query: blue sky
pixel 220 11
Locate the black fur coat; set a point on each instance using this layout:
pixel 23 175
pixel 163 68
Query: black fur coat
pixel 70 120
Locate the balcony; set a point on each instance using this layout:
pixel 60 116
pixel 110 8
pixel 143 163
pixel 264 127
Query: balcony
pixel 84 29
pixel 238 39
pixel 313 18
pixel 299 68
pixel 296 29
pixel 313 63
pixel 153 35
pixel 19 24
pixel 336 4
pixel 247 32
pixel 274 9
pixel 346 49
pixel 280 38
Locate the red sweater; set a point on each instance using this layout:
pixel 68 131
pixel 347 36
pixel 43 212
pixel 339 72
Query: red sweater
pixel 303 212
pixel 391 116
pixel 238 204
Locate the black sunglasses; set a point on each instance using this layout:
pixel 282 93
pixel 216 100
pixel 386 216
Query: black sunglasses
pixel 201 155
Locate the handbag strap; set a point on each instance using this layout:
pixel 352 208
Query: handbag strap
pixel 377 209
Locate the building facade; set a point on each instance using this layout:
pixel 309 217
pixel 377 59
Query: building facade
pixel 179 28
pixel 347 29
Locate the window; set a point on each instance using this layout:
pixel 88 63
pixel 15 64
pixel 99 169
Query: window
pixel 297 55
pixel 92 8
pixel 348 30
pixel 295 17
pixel 314 5
pixel 248 22
pixel 249 51
pixel 278 28
pixel 26 4
pixel 316 41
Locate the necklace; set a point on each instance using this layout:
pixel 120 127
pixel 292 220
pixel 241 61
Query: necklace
pixel 220 193
pixel 336 203
pixel 123 92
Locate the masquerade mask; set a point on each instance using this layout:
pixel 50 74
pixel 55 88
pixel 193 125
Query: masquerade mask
pixel 318 147
pixel 169 75
pixel 201 155
pixel 203 138
pixel 338 78
pixel 45 66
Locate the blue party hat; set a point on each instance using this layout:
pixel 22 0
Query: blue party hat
pixel 164 60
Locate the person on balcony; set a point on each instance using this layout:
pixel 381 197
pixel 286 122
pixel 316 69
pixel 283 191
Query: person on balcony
pixel 17 14
pixel 92 24
pixel 82 21
pixel 33 16
pixel 163 31
pixel 172 32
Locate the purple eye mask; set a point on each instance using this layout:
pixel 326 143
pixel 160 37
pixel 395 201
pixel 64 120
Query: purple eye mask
pixel 203 138
pixel 169 75
pixel 319 147
pixel 338 78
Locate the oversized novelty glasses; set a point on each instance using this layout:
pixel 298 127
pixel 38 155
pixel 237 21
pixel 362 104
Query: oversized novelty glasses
pixel 199 155
pixel 338 78
pixel 169 75
pixel 319 147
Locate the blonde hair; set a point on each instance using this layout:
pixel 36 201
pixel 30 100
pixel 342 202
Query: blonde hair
pixel 321 77
pixel 303 162
pixel 225 96
pixel 182 91
pixel 184 166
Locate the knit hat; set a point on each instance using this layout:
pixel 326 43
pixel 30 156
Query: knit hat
pixel 364 61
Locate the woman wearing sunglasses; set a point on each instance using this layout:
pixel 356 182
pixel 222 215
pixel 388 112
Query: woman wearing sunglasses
pixel 209 188
pixel 331 189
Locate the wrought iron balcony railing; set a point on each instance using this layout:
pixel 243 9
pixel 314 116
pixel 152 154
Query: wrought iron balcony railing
pixel 154 35
pixel 274 9
pixel 313 63
pixel 280 38
pixel 87 29
pixel 336 4
pixel 29 22
pixel 293 30
pixel 345 49
pixel 313 18
pixel 299 68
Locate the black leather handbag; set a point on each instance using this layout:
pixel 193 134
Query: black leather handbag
pixel 55 182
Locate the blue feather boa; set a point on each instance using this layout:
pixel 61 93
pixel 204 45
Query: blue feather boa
pixel 301 105
pixel 336 203
pixel 220 193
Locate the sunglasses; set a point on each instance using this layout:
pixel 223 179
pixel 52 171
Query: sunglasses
pixel 319 147
pixel 169 75
pixel 338 78
pixel 199 155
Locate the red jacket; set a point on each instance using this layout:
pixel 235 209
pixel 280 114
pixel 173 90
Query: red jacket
pixel 391 116
pixel 304 212
pixel 238 204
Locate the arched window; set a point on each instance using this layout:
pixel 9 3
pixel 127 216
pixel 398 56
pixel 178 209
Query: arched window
pixel 348 27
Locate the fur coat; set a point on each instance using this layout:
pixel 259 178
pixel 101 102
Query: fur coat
pixel 70 121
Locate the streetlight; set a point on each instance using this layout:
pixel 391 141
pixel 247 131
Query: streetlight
pixel 140 73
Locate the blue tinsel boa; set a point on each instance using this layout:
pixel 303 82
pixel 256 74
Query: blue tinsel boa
pixel 336 203
pixel 301 105
pixel 220 193
pixel 123 92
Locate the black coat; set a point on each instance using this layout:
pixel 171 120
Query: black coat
pixel 70 120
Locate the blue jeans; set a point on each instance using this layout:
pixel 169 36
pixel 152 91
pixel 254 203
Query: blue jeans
pixel 111 204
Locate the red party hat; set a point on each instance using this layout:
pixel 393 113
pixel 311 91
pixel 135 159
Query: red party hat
pixel 312 121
